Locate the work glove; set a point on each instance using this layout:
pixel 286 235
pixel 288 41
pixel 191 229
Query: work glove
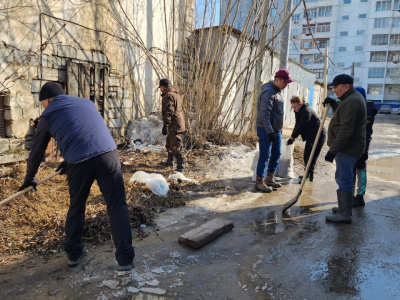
pixel 62 167
pixel 328 100
pixel 290 141
pixel 271 137
pixel 330 156
pixel 32 183
pixel 165 130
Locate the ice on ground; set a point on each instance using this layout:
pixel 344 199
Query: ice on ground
pixel 179 176
pixel 154 181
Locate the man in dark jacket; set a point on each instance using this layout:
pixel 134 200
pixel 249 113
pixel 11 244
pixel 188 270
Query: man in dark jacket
pixel 174 123
pixel 360 171
pixel 269 129
pixel 89 154
pixel 346 139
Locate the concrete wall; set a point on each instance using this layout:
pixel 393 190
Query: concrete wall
pixel 136 42
pixel 304 85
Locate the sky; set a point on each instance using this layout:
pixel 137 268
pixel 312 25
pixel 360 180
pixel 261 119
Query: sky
pixel 212 6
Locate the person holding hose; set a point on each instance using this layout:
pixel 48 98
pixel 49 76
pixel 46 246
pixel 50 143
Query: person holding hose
pixel 346 141
pixel 307 124
pixel 89 153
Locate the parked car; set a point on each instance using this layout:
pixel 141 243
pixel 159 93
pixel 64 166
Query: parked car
pixel 396 110
pixel 385 109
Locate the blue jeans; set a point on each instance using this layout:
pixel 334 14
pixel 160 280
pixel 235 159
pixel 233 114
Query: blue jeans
pixel 267 149
pixel 344 175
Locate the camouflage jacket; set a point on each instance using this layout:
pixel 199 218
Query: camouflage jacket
pixel 172 111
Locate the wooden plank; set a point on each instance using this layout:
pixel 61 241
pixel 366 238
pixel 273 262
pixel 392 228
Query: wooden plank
pixel 105 94
pixel 200 236
pixel 72 79
pixel 97 85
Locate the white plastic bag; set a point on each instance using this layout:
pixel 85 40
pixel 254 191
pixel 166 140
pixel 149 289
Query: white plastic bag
pixel 154 181
pixel 285 166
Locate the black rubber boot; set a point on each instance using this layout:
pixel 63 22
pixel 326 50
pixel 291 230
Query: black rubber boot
pixel 260 186
pixel 358 201
pixel 169 161
pixel 345 201
pixel 180 163
pixel 309 178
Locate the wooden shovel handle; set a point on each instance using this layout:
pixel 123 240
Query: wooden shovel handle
pixel 28 188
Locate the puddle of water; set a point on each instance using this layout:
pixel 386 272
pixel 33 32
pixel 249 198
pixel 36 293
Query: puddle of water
pixel 272 224
pixel 385 167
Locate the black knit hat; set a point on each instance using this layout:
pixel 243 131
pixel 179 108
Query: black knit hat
pixel 50 90
pixel 165 82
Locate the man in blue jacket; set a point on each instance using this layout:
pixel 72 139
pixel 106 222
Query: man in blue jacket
pixel 89 154
pixel 269 129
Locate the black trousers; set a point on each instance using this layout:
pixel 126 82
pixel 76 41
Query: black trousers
pixel 106 170
pixel 308 149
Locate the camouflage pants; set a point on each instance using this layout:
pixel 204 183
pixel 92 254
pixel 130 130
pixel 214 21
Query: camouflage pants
pixel 174 144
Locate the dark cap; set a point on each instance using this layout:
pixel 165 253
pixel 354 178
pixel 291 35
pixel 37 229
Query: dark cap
pixel 342 79
pixel 50 90
pixel 165 82
pixel 284 74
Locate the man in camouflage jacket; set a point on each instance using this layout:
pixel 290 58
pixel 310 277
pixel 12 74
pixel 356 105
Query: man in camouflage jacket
pixel 174 123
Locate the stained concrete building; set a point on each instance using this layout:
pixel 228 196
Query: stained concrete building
pixel 112 52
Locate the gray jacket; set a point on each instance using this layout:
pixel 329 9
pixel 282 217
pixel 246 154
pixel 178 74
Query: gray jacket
pixel 270 108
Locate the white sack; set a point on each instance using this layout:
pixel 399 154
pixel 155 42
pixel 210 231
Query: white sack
pixel 154 181
pixel 285 166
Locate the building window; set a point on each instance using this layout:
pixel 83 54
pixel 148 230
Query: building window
pixel 344 33
pixel 356 79
pixel 357 64
pixel 394 56
pixel 342 49
pixel 306 44
pixel 322 43
pixel 310 1
pixel 379 39
pixel 344 18
pixel 340 64
pixel 396 5
pixel 358 48
pixel 381 23
pixel 393 89
pixel 393 72
pixel 346 1
pixel 325 11
pixel 306 59
pixel 394 39
pixel 294 32
pixel 309 28
pixel 311 13
pixel 376 72
pixel 383 5
pixel 318 58
pixel 319 72
pixel 374 89
pixel 323 27
pixel 378 56
pixel 396 22
pixel 360 32
pixel 362 16
pixel 363 0
pixel 296 18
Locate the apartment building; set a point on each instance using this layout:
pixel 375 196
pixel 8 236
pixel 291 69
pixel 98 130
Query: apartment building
pixel 363 38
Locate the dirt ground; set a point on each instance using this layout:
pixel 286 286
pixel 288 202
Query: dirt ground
pixel 263 257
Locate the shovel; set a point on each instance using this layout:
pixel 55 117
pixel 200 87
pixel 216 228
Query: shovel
pixel 28 188
pixel 293 201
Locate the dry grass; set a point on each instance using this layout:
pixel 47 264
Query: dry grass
pixel 34 222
